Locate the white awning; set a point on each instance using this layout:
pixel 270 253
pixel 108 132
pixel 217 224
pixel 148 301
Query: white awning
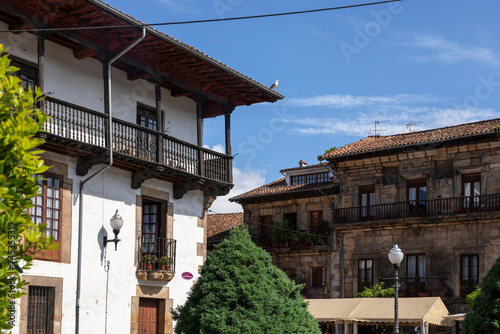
pixel 422 310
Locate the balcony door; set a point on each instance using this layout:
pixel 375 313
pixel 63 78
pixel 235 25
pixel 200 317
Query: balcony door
pixel 147 118
pixel 366 201
pixel 471 191
pixel 417 196
pixel 415 274
pixel 154 242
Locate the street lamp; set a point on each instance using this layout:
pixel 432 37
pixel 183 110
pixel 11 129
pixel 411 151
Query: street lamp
pixel 396 256
pixel 116 223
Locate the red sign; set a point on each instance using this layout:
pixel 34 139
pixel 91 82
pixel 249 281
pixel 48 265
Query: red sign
pixel 187 275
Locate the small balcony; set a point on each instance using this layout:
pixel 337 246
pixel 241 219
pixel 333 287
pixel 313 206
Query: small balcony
pixel 300 240
pixel 422 208
pixel 156 259
pixel 429 286
pixel 82 129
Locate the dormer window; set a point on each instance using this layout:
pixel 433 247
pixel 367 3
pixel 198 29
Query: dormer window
pixel 310 178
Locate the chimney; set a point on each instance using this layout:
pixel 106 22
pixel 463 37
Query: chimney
pixel 302 163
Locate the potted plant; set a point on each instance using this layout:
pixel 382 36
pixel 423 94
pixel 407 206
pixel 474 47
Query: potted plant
pixel 165 263
pixel 149 260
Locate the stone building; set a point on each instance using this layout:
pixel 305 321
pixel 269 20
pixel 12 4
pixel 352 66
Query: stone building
pixel 436 194
pixel 290 218
pixel 126 106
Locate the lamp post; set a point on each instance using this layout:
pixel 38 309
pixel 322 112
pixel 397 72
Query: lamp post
pixel 116 223
pixel 396 256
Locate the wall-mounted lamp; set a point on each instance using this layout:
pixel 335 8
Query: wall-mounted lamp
pixel 116 223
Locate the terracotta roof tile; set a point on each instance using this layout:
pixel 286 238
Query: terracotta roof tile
pixel 305 167
pixel 218 225
pixel 376 143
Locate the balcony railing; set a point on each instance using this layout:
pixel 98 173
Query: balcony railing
pixel 418 286
pixel 156 254
pixel 90 127
pixel 423 208
pixel 299 240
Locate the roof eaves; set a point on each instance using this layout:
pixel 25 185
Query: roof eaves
pixel 186 47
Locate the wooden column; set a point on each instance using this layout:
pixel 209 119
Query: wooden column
pixel 228 109
pixel 159 121
pixel 199 99
pixel 41 59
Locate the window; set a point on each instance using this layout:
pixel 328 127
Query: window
pixel 417 195
pixel 27 73
pixel 266 228
pixel 469 274
pixel 315 220
pixel 290 220
pixel 365 274
pixel 318 277
pixel 47 209
pixel 297 180
pixel 40 315
pixel 147 117
pixel 367 199
pixel 471 191
pixel 415 267
pixel 154 235
pixel 310 178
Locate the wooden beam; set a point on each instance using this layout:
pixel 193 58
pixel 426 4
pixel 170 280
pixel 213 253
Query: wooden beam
pixel 84 53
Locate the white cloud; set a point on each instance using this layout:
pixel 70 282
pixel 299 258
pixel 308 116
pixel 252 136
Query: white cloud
pixel 217 148
pixel 393 121
pixel 244 180
pixel 185 6
pixel 348 101
pixel 448 51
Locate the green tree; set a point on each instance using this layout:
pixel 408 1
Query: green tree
pixel 320 157
pixel 469 299
pixel 485 315
pixel 19 161
pixel 241 291
pixel 376 291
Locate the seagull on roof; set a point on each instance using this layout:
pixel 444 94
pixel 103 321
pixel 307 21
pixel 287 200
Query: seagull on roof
pixel 274 85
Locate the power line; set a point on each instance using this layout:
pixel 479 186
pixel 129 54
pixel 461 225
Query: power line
pixel 202 21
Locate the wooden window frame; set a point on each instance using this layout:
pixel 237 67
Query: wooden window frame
pixel 310 178
pixel 366 211
pixel 417 204
pixel 472 201
pixel 467 286
pixel 28 71
pixel 315 220
pixel 318 277
pixel 51 255
pixel 365 277
pixel 266 228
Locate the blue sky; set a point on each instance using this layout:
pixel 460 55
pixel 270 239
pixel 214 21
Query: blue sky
pixel 426 62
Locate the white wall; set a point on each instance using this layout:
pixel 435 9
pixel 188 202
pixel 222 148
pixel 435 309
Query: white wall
pixel 80 82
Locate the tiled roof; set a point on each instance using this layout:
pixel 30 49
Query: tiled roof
pixel 279 187
pixel 377 143
pixel 305 167
pixel 219 224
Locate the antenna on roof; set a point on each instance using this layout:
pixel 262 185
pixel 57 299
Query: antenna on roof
pixel 375 132
pixel 409 125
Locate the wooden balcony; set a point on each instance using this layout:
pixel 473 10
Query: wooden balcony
pixel 85 130
pixel 156 259
pixel 424 208
pixel 429 286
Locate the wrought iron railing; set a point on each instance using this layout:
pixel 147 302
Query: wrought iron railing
pixel 299 240
pixel 90 127
pixel 423 208
pixel 156 254
pixel 428 286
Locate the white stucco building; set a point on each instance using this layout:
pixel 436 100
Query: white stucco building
pixel 126 134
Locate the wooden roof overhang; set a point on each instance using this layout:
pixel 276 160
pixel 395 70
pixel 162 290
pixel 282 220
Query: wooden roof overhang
pixel 182 69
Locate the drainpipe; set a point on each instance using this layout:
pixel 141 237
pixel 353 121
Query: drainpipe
pixel 82 183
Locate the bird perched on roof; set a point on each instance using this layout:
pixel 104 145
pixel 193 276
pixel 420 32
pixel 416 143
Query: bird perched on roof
pixel 274 85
